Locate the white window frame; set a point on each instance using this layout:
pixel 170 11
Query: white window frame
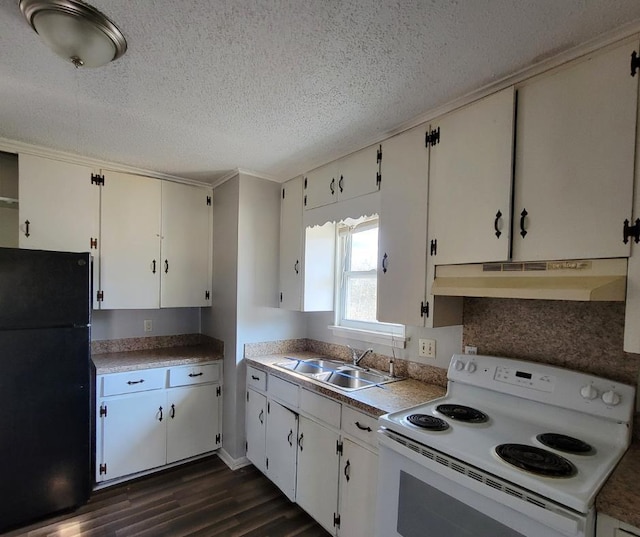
pixel 368 331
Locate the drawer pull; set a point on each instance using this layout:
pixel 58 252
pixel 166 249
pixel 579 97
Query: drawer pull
pixel 131 382
pixel 173 411
pixel 363 427
pixel 254 377
pixel 160 417
pixel 196 374
pixel 289 437
pixel 300 441
pixel 260 416
pixel 347 470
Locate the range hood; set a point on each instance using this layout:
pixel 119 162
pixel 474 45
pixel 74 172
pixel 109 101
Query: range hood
pixel 583 280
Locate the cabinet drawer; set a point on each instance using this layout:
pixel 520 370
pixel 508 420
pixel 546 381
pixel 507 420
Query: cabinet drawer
pixel 320 407
pixel 256 378
pixel 283 391
pixel 194 374
pixel 360 426
pixel 133 381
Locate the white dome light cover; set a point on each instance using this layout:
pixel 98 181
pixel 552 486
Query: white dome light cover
pixel 75 31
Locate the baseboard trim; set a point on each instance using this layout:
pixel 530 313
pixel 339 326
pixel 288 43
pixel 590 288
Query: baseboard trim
pixel 233 464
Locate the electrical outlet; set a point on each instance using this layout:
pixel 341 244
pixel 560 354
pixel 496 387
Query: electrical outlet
pixel 148 325
pixel 427 348
pixel 470 349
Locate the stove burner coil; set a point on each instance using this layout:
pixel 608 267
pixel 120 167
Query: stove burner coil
pixel 428 422
pixel 536 460
pixel 463 413
pixel 565 443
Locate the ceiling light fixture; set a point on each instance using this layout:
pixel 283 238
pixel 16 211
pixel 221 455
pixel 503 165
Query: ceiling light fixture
pixel 75 31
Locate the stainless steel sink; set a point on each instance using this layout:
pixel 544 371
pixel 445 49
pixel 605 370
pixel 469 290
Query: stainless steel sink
pixel 336 373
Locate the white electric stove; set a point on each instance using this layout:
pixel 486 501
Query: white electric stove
pixel 524 447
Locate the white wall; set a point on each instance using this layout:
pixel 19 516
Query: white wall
pixel 118 324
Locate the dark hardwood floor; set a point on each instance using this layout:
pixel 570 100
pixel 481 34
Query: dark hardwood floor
pixel 200 499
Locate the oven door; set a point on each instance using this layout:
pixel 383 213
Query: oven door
pixel 422 493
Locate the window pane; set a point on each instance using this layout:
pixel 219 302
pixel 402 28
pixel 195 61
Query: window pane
pixel 361 299
pixel 364 249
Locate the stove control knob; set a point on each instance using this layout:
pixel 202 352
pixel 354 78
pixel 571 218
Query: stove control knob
pixel 610 398
pixel 589 392
pixel 459 365
pixel 471 367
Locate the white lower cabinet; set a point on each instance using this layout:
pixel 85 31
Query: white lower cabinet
pixel 317 478
pixel 281 449
pixel 256 419
pixel 142 423
pixel 610 527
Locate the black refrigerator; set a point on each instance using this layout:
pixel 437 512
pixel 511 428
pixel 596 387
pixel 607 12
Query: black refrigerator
pixel 45 383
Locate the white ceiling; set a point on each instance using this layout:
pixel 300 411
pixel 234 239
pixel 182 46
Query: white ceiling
pixel 273 86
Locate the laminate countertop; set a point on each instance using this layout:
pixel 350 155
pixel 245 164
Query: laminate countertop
pixel 620 496
pixel 375 401
pixel 119 362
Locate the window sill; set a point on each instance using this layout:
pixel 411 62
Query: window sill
pixel 379 338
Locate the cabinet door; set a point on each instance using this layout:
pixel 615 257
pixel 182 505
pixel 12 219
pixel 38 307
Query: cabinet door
pixel 317 477
pixel 291 234
pixel 358 482
pixel 186 246
pixel 320 186
pixel 256 419
pixel 133 433
pixel 130 234
pixel 358 173
pixel 575 160
pixel 282 433
pixel 60 203
pixel 471 170
pixel 192 421
pixel 402 235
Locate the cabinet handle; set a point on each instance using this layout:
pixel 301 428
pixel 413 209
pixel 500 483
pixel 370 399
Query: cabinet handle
pixel 26 228
pixel 495 224
pixel 289 437
pixel 153 267
pixel 385 257
pixel 254 377
pixel 166 266
pixel 363 427
pixel 261 417
pixel 523 215
pixel 340 183
pixel 130 382
pixel 173 411
pixel 332 186
pixel 196 374
pixel 300 440
pixel 160 418
pixel 296 267
pixel 347 470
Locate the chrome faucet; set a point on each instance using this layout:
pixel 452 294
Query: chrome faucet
pixel 354 355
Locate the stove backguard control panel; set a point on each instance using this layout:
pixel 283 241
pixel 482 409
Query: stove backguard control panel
pixel 547 384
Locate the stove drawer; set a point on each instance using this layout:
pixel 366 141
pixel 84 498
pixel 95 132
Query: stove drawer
pixel 360 426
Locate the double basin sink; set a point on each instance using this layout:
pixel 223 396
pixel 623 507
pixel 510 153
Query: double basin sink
pixel 336 373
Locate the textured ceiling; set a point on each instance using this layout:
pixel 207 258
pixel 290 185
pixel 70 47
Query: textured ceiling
pixel 273 86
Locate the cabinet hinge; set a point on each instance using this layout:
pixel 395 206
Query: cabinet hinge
pixel 209 200
pixel 247 396
pixel 97 179
pixel 433 247
pixel 218 438
pixel 219 391
pixel 207 295
pixel 100 296
pixel 269 407
pixel 267 462
pixel 424 309
pixel 336 520
pixel 305 184
pixel 635 63
pixel 432 138
pixel 305 200
pixel 246 446
pixel 103 411
pixel 631 231
pixel 283 193
pixel 378 179
pixel 280 297
pixel 93 243
pixel 103 468
pixel 379 155
pixel 339 446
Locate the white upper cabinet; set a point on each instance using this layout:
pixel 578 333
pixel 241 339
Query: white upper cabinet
pixel 402 235
pixel 574 169
pixel 59 205
pixel 349 177
pixel 130 249
pixel 471 170
pixel 186 246
pixel 291 238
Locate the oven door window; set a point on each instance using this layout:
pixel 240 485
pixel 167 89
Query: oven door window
pixel 424 511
